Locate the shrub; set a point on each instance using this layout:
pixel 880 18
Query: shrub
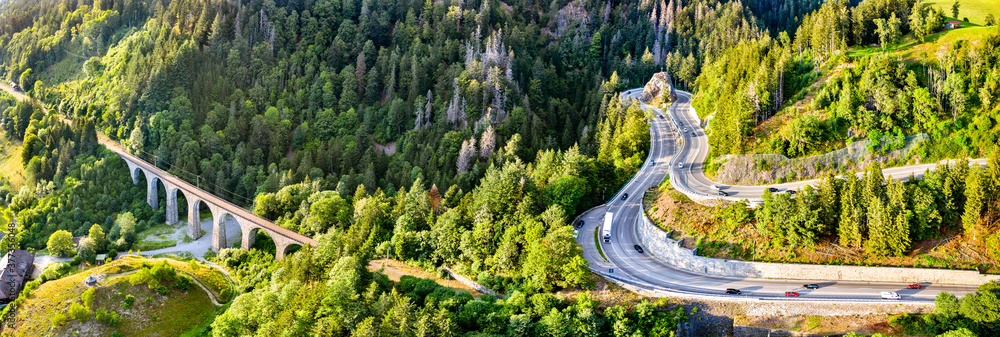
pixel 76 261
pixel 182 283
pixel 79 312
pixel 129 299
pixel 54 271
pixel 106 317
pixel 88 298
pixel 162 290
pixel 58 319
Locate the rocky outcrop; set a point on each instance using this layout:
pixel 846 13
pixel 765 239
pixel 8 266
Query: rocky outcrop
pixel 656 86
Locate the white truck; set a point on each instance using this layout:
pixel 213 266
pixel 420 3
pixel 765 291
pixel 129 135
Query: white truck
pixel 607 226
pixel 890 295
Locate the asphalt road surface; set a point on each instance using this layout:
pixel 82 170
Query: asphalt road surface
pixel 651 273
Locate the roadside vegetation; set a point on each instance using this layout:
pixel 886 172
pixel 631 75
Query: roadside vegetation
pixel 972 315
pixel 945 220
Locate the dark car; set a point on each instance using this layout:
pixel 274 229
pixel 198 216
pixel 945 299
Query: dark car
pixel 914 286
pixel 733 291
pixel 791 294
pixel 724 193
pixel 811 286
pixel 638 248
pixel 792 192
pixel 661 116
pixel 579 224
pixel 624 196
pixel 772 189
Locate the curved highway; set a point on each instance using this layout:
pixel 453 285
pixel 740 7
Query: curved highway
pixel 621 261
pixel 691 178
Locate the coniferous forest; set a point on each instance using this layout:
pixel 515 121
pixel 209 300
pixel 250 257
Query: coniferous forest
pixel 467 134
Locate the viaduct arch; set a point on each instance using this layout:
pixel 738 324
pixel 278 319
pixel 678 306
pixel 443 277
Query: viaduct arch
pixel 284 239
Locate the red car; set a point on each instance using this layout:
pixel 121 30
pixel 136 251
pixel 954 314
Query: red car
pixel 914 286
pixel 791 294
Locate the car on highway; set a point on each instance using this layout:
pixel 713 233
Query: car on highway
pixel 890 295
pixel 772 189
pixel 914 286
pixel 579 224
pixel 732 291
pixel 811 286
pixel 723 193
pixel 791 294
pixel 791 192
pixel 624 196
pixel 680 165
pixel 685 129
pixel 638 248
pixel 661 116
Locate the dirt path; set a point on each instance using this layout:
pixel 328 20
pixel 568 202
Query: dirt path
pixel 395 269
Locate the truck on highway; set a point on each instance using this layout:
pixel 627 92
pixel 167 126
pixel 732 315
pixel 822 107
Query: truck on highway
pixel 607 226
pixel 890 295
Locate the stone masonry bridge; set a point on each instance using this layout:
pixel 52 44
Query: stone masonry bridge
pixel 248 222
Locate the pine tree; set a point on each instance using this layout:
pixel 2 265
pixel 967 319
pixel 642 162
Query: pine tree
pixel 852 212
pixel 917 21
pixel 975 189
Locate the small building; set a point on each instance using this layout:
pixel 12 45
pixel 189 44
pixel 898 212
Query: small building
pixel 953 25
pixel 17 267
pixel 14 86
pixel 91 280
pixel 100 259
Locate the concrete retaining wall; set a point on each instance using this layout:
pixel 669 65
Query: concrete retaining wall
pixel 668 250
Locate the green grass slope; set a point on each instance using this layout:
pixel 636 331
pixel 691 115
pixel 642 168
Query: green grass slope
pixel 975 10
pixel 151 314
pixel 925 51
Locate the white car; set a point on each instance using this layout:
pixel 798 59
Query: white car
pixel 680 165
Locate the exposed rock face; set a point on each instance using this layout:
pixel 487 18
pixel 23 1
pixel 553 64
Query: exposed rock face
pixel 656 86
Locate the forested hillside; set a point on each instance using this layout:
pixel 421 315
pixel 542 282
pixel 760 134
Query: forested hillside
pixel 459 133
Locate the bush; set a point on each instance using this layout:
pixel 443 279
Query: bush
pixel 182 283
pixel 58 319
pixel 79 312
pixel 88 298
pixel 129 299
pixel 54 271
pixel 162 290
pixel 76 261
pixel 106 317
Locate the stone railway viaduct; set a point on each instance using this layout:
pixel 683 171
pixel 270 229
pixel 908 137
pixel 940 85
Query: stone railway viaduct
pixel 249 223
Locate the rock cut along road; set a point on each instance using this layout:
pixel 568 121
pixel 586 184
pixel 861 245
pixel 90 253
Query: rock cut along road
pixel 649 273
